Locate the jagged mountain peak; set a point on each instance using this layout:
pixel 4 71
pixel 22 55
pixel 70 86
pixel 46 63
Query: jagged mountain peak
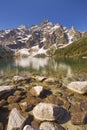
pixel 45 22
pixel 21 27
pixel 46 35
pixel 73 29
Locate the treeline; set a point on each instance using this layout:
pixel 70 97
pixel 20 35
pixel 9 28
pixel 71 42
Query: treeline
pixel 76 49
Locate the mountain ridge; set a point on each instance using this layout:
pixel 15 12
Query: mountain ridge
pixel 44 38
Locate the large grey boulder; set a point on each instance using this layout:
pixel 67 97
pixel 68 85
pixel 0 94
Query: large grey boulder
pixel 6 89
pixel 47 111
pixel 79 87
pixel 16 120
pixel 50 126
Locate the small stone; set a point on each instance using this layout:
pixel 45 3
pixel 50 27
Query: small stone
pixel 13 99
pixel 50 80
pixel 25 106
pixel 13 105
pixel 79 118
pixel 67 105
pixel 75 108
pixel 54 100
pixel 84 105
pixel 79 87
pixel 28 127
pixel 36 91
pixel 50 126
pixel 47 111
pixel 16 120
pixel 17 93
pixel 40 78
pixel 35 123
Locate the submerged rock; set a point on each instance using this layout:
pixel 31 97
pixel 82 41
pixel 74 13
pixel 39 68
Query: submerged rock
pixel 17 79
pixel 13 105
pixel 25 106
pixel 6 89
pixel 1 126
pixel 36 91
pixel 50 126
pixel 69 126
pixel 47 111
pixel 79 118
pixel 50 80
pixel 79 87
pixel 28 127
pixel 2 102
pixel 40 78
pixel 16 120
pixel 13 99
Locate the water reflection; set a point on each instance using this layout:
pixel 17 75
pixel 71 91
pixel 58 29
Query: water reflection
pixel 68 69
pixel 64 69
pixel 36 63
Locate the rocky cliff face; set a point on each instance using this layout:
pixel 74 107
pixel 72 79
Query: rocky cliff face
pixel 39 37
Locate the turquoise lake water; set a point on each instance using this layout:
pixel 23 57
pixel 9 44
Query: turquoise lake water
pixel 65 70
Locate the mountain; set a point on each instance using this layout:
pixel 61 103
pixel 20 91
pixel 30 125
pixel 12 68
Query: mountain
pixel 42 39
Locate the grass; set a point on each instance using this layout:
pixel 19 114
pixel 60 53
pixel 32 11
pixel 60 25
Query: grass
pixel 76 49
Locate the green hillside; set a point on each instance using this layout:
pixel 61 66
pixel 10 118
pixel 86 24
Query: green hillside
pixel 76 49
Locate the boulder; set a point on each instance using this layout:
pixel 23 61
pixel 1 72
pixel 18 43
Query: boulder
pixel 17 79
pixel 40 78
pixel 36 91
pixel 79 87
pixel 50 126
pixel 79 118
pixel 6 89
pixel 28 127
pixel 1 126
pixel 47 111
pixel 16 120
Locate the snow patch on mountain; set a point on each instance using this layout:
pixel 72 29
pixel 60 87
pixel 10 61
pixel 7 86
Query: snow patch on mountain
pixel 7 31
pixel 35 38
pixel 69 38
pixel 43 40
pixel 41 51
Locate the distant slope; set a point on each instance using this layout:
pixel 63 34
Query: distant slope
pixel 76 49
pixel 5 52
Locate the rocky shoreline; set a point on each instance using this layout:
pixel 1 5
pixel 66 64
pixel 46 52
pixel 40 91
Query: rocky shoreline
pixel 43 103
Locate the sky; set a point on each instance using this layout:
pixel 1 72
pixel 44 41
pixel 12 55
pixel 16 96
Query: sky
pixel 14 13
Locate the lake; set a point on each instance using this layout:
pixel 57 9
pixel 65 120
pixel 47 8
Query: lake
pixel 65 70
